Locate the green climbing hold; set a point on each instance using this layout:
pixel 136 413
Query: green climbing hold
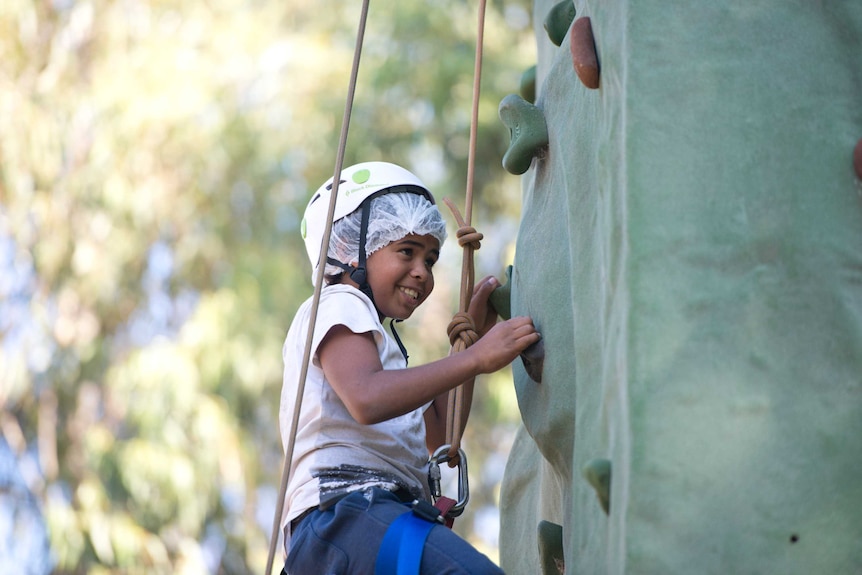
pixel 528 131
pixel 534 360
pixel 551 548
pixel 501 298
pixel 534 356
pixel 528 85
pixel 597 472
pixel 558 20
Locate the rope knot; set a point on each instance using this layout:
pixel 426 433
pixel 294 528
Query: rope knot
pixel 468 236
pixel 462 331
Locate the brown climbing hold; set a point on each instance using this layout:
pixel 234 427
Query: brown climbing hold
pixel 584 57
pixel 857 159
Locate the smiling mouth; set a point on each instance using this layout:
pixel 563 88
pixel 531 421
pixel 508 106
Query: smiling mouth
pixel 410 292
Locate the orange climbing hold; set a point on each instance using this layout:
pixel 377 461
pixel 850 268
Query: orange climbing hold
pixel 583 49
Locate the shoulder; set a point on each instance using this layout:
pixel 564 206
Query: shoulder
pixel 346 305
pixel 340 305
pixel 343 290
pixel 338 296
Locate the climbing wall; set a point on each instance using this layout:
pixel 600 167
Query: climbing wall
pixel 691 250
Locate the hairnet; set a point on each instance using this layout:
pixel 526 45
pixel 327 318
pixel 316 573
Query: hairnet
pixel 392 217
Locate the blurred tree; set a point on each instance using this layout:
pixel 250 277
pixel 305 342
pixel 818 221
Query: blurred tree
pixel 155 159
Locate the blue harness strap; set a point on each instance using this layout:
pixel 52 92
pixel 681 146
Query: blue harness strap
pixel 401 550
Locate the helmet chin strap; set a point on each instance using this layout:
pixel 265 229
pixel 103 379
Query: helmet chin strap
pixel 359 273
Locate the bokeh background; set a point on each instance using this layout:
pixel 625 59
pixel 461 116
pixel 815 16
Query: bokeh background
pixel 155 159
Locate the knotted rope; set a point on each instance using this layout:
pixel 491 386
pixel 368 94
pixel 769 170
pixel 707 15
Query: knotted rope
pixel 462 328
pixel 462 332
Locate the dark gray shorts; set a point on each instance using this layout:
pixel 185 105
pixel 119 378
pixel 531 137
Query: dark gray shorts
pixel 345 539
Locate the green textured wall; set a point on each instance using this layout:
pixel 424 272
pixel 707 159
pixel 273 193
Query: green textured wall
pixel 702 302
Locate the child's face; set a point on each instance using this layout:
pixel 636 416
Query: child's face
pixel 400 274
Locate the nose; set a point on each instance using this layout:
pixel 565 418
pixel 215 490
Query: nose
pixel 420 270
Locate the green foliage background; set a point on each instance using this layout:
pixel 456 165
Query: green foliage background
pixel 155 159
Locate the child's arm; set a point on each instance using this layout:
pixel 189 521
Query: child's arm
pixel 372 394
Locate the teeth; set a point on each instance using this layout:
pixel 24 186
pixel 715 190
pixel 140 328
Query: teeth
pixel 411 292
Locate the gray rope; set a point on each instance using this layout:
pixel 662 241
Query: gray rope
pixel 318 286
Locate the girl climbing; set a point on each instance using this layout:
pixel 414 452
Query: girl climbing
pixel 368 422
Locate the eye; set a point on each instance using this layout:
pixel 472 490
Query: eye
pixel 430 262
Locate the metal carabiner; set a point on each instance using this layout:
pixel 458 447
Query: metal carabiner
pixel 434 477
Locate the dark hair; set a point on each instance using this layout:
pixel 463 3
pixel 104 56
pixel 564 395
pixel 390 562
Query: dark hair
pixel 333 279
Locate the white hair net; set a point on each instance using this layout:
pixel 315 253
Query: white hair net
pixel 393 216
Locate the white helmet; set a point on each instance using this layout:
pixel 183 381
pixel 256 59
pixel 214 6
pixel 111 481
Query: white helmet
pixel 358 183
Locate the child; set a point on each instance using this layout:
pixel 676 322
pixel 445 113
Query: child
pixel 367 421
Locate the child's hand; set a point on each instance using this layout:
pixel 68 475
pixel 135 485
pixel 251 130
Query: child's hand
pixel 504 342
pixel 483 313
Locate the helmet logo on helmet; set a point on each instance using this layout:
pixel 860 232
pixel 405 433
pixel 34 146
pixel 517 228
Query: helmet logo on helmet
pixel 361 176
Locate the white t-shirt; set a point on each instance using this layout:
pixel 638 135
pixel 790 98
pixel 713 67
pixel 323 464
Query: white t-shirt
pixel 334 454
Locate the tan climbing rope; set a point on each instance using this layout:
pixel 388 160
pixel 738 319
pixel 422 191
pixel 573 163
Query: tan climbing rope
pixel 318 287
pixel 462 329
